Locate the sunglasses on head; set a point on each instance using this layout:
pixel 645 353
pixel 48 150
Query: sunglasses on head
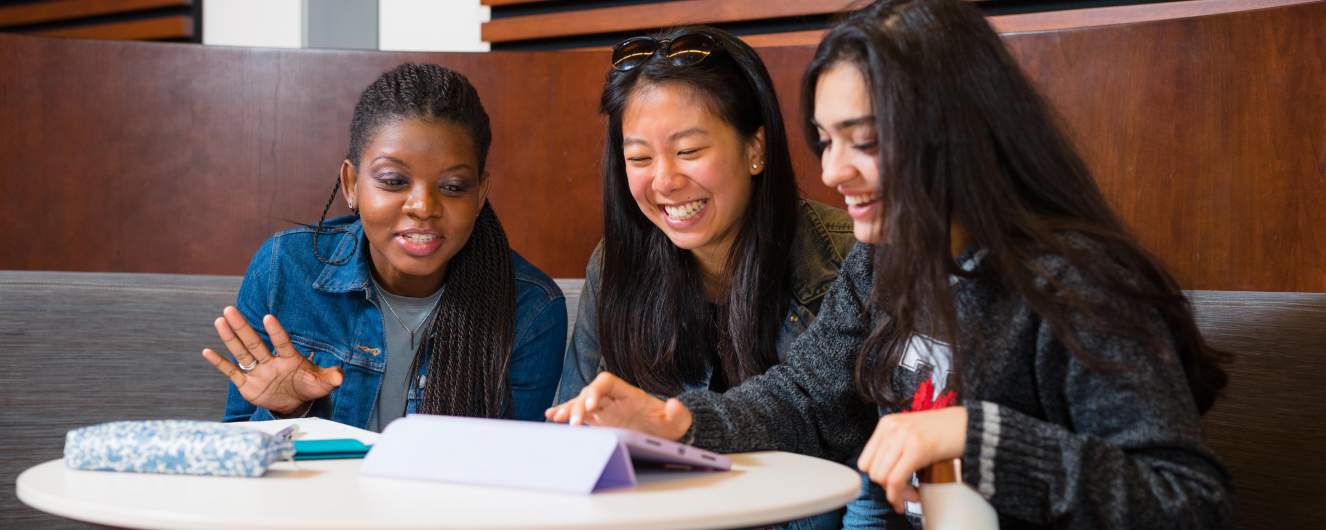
pixel 685 50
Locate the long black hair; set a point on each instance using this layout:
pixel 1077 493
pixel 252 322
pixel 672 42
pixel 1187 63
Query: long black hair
pixel 469 340
pixel 655 327
pixel 965 138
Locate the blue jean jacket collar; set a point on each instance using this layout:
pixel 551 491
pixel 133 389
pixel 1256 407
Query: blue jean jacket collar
pixel 352 273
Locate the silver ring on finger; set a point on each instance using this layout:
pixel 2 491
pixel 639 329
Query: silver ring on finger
pixel 246 368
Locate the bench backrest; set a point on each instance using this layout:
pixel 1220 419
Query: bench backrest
pixel 1270 427
pixel 84 348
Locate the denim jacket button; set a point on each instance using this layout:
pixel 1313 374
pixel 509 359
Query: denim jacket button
pixel 794 317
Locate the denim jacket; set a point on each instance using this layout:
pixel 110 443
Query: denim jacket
pixel 823 237
pixel 330 314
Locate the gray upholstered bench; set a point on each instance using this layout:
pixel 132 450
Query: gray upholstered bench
pixel 84 348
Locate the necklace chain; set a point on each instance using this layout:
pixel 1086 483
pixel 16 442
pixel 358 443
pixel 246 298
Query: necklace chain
pixel 401 321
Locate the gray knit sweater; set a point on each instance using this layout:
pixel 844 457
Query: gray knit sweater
pixel 1051 443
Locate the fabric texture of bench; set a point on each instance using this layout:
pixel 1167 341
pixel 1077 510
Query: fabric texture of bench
pixel 86 348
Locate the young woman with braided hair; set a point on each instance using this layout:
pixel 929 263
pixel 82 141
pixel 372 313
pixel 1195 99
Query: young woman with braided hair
pixel 416 303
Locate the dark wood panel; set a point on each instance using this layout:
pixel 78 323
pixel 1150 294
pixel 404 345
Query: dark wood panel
pixel 654 15
pixel 1268 427
pixel 644 17
pixel 39 12
pixel 171 27
pixel 1206 133
pixel 147 157
pixel 809 38
pixel 791 38
pixel 1128 14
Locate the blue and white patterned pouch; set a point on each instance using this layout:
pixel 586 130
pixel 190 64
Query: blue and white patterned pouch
pixel 176 447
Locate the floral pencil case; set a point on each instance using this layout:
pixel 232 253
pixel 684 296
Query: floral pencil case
pixel 176 447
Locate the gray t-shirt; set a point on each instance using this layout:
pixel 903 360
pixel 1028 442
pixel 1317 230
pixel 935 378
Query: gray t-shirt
pixel 398 313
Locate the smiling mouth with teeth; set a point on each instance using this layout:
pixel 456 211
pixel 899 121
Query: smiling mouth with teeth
pixel 859 200
pixel 419 238
pixel 682 212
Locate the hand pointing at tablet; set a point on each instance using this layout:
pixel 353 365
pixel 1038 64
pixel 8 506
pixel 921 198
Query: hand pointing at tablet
pixel 611 402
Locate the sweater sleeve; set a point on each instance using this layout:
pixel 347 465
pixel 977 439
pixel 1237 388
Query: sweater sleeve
pixel 808 403
pixel 1132 457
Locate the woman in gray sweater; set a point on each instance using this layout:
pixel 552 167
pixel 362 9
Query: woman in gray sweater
pixel 990 265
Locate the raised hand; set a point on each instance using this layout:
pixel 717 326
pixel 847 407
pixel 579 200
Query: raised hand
pixel 281 383
pixel 611 402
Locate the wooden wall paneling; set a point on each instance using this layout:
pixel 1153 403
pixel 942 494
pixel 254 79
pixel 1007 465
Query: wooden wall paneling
pixel 649 16
pixel 1206 133
pixel 549 142
pixel 183 157
pixel 52 11
pixel 510 2
pixel 791 38
pixel 171 27
pixel 1128 14
pixel 579 20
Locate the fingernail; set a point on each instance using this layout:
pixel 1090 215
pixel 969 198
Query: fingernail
pixel 575 419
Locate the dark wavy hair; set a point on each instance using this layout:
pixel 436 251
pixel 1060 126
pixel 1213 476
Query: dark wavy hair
pixel 469 341
pixel 964 137
pixel 655 328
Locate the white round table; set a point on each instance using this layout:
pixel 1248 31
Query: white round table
pixel 762 488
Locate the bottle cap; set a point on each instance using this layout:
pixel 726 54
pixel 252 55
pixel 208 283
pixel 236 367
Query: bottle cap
pixel 942 472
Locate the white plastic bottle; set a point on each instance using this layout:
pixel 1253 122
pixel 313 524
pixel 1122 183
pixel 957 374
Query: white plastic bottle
pixel 948 503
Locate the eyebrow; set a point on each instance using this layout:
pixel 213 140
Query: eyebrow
pixel 456 167
pixel 671 138
pixel 391 159
pixel 849 123
pixel 688 132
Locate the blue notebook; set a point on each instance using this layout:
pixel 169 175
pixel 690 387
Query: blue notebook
pixel 330 449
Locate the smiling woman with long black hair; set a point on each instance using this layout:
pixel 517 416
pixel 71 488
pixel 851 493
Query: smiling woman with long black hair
pixel 711 264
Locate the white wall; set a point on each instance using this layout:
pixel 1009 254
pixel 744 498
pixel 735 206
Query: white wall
pixel 402 25
pixel 271 23
pixel 430 25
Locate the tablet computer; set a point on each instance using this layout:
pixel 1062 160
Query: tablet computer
pixel 652 449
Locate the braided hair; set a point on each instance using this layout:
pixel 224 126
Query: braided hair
pixel 469 341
